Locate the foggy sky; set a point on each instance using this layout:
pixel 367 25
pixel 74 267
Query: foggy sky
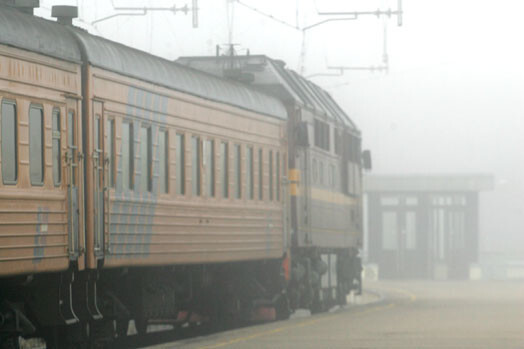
pixel 453 101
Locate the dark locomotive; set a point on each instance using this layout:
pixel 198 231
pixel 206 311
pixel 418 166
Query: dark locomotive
pixel 209 190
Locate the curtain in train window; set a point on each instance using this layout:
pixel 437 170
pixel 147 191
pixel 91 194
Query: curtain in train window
pixel 36 145
pixel 249 173
pixel 224 156
pixel 163 162
pixel 209 157
pixel 195 165
pixel 9 143
pixel 146 159
pixel 180 163
pixel 389 230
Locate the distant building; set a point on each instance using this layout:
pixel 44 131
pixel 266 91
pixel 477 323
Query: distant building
pixel 423 226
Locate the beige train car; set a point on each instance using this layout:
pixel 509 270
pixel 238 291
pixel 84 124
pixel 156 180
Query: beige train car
pixel 181 167
pixel 40 140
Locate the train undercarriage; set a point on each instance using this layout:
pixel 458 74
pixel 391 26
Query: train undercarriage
pixel 92 309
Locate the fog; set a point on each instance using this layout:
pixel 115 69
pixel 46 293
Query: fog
pixel 452 101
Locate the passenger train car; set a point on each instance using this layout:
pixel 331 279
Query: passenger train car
pixel 135 188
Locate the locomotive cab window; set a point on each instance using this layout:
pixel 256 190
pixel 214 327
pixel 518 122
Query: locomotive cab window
pixel 57 168
pixel 9 142
pixel 36 145
pixel 322 135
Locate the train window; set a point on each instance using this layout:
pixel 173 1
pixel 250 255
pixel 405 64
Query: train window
pixel 278 176
pixel 36 145
pixel 180 163
pixel 146 159
pixel 270 175
pixel 249 174
pixel 209 158
pixel 260 175
pixel 163 161
pixel 111 151
pixel 238 170
pixel 224 156
pixel 57 174
pixel 195 165
pixel 128 162
pixel 322 135
pixel 9 142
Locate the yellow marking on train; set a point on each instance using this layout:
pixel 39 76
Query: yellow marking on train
pixel 309 322
pixel 294 175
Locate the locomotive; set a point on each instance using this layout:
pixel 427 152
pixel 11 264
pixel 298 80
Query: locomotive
pixel 133 188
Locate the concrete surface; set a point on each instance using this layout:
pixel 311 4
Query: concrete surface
pixel 470 314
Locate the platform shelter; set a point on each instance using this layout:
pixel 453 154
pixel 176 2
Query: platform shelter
pixel 424 226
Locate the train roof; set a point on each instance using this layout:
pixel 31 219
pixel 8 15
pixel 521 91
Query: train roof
pixel 68 43
pixel 35 34
pixel 272 76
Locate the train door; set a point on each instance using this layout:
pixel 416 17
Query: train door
pixel 98 179
pixel 74 181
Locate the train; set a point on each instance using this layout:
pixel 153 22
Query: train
pixel 134 189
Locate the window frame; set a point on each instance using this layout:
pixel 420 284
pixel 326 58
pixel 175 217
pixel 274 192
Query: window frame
pixel 15 107
pixel 180 163
pixel 165 131
pixel 224 175
pixel 260 174
pixel 209 165
pixel 237 162
pixel 196 190
pixel 148 178
pixel 131 151
pixel 271 196
pixel 40 107
pixel 250 182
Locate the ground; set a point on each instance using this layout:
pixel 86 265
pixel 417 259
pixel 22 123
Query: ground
pixel 429 314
